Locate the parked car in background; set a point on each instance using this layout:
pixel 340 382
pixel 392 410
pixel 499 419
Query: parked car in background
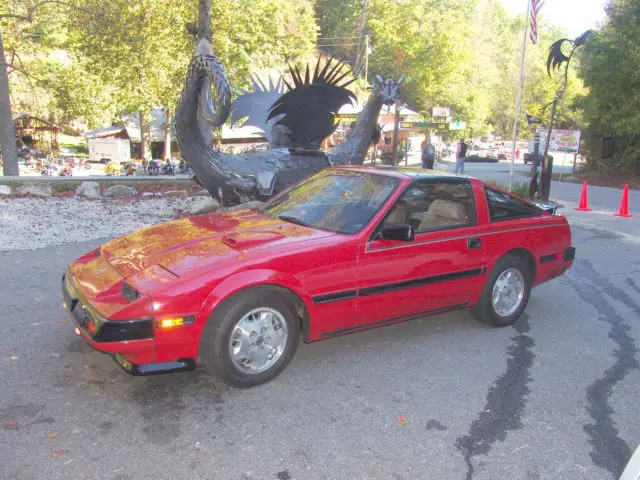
pixel 532 157
pixel 342 251
pixel 482 158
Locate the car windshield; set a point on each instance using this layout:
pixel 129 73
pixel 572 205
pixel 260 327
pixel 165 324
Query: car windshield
pixel 337 201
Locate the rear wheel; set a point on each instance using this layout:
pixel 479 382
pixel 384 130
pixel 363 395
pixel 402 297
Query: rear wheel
pixel 506 293
pixel 251 337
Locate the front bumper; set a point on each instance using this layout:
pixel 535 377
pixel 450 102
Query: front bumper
pixel 131 343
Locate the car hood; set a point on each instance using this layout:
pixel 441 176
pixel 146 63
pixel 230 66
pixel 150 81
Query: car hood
pixel 183 245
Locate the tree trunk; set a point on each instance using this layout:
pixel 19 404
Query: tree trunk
pixel 167 134
pixel 7 132
pixel 204 19
pixel 145 137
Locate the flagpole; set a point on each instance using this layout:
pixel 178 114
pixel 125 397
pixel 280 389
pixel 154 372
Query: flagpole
pixel 517 115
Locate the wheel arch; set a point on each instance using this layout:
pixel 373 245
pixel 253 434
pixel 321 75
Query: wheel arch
pixel 227 290
pixel 526 256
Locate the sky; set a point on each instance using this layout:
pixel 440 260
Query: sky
pixel 575 16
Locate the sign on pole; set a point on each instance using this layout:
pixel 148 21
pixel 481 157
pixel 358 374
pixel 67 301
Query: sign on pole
pixel 562 140
pixel 345 118
pixel 431 125
pixel 440 111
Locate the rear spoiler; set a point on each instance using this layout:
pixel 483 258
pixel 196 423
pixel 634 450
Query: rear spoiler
pixel 547 207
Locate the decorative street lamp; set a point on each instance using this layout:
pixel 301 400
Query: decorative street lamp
pixel 555 60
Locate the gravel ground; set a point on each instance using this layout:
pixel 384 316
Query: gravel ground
pixel 30 223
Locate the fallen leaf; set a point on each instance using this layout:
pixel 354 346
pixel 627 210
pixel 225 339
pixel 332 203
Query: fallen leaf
pixel 53 435
pixel 57 453
pixel 12 426
pixel 402 420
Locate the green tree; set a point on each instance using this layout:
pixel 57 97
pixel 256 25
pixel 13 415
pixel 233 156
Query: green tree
pixel 610 68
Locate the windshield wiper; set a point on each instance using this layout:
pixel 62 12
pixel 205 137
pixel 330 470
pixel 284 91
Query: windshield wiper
pixel 295 220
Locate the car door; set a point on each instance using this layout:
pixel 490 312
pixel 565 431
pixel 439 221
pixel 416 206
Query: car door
pixel 443 267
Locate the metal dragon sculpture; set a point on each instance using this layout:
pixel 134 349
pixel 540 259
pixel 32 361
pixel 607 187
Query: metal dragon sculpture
pixel 555 59
pixel 295 117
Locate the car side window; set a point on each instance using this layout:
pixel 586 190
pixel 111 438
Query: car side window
pixel 503 206
pixel 434 206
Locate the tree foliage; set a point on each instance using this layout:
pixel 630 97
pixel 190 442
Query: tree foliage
pixel 610 68
pixel 462 54
pixel 95 60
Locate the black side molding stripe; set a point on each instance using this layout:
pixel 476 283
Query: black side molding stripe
pixel 390 287
pixel 334 297
pixel 548 258
pixel 418 282
pixel 403 318
pixel 566 256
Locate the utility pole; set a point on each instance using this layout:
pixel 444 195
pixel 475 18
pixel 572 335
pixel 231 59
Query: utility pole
pixel 366 58
pixel 361 27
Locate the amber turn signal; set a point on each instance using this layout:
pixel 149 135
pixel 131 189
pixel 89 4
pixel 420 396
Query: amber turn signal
pixel 170 322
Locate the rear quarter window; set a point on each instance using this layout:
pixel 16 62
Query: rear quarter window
pixel 503 206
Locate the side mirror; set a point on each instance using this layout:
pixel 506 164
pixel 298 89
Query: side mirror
pixel 403 233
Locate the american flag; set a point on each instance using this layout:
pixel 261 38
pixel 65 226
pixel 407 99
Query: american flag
pixel 536 5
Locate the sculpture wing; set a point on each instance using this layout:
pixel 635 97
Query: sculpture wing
pixel 308 110
pixel 556 57
pixel 254 105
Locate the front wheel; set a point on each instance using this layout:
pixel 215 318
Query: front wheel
pixel 251 337
pixel 506 293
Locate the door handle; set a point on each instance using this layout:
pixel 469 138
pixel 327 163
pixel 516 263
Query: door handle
pixel 473 243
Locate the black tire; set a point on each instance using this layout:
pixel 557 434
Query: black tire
pixel 484 311
pixel 214 352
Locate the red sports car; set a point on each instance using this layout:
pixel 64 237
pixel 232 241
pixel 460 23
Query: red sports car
pixel 344 250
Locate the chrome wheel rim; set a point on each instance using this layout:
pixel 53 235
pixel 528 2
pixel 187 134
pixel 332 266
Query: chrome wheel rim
pixel 508 292
pixel 258 340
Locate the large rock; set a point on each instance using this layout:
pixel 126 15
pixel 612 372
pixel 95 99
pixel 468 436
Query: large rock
pixel 120 191
pixel 5 190
pixel 88 190
pixel 202 205
pixel 37 189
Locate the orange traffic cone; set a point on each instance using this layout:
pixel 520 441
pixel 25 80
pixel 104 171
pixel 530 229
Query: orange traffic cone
pixel 584 204
pixel 624 204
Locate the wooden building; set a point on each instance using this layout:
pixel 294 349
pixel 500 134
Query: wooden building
pixel 36 133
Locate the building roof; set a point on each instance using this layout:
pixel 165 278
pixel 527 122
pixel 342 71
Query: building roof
pixel 157 123
pixel 104 132
pixel 53 126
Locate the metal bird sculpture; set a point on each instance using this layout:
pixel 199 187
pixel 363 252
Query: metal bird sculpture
pixel 295 123
pixel 557 57
pixel 308 110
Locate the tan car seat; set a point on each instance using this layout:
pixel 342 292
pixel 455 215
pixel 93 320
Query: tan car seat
pixel 399 215
pixel 443 213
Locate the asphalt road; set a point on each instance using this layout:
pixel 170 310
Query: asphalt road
pixel 553 397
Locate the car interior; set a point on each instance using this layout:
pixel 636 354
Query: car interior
pixel 432 206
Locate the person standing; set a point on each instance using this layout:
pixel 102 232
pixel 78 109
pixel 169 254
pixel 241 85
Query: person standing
pixel 428 154
pixel 461 153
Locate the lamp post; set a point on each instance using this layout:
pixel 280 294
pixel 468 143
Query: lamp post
pixel 555 60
